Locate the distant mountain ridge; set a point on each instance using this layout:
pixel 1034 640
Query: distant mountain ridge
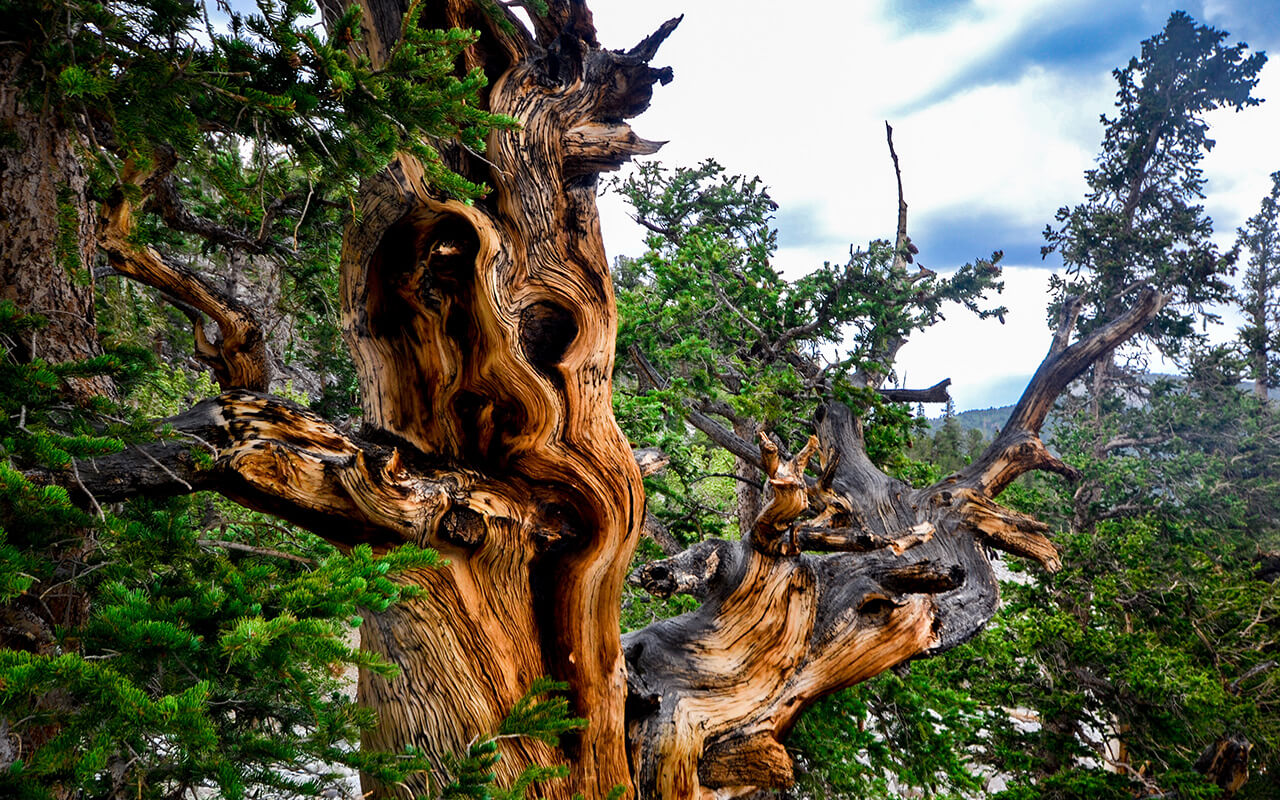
pixel 987 420
pixel 990 420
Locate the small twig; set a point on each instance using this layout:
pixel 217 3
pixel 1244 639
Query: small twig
pixel 1257 669
pixel 213 450
pixel 500 170
pixel 76 473
pixel 258 551
pixel 302 216
pixel 75 577
pixel 743 479
pixel 167 471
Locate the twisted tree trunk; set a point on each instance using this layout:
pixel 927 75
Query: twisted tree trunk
pixel 484 339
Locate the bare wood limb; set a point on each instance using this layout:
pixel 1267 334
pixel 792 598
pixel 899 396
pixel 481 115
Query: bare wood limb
pixel 655 530
pixel 859 540
pixel 1018 449
pixel 275 457
pixel 164 198
pixel 903 250
pixel 1121 442
pixel 788 499
pixel 651 460
pixel 936 393
pixel 239 359
pixel 1055 373
pixel 1071 307
pixel 1257 669
pixel 1006 529
pixel 648 47
pixel 719 408
pixel 257 551
pixel 900 238
pixel 600 147
pixel 692 571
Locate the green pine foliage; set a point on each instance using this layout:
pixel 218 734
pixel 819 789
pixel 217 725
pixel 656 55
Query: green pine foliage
pixel 1152 636
pixel 543 714
pixel 1141 224
pixel 736 339
pixel 950 447
pixel 1260 298
pixel 899 732
pixel 155 76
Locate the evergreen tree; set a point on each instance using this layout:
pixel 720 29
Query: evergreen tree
pixel 1140 226
pixel 948 451
pixel 1142 668
pixel 1149 653
pixel 1260 301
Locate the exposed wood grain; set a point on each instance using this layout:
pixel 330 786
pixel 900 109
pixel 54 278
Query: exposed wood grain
pixel 238 356
pixel 483 338
pixel 714 692
pixel 483 335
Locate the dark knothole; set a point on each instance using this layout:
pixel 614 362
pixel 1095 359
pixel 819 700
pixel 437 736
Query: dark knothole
pixel 546 331
pixel 462 526
pixel 876 608
pixel 415 266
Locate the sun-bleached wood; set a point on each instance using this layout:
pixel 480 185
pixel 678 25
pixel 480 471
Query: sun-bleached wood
pixel 483 337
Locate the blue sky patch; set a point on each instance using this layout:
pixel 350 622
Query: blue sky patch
pixel 956 236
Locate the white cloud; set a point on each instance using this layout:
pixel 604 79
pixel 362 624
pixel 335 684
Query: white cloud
pixel 799 98
pixel 980 356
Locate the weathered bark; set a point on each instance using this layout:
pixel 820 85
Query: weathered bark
pixel 714 692
pixel 483 336
pixel 46 232
pixel 47 248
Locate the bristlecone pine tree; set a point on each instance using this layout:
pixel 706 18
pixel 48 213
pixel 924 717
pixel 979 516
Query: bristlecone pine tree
pixel 483 335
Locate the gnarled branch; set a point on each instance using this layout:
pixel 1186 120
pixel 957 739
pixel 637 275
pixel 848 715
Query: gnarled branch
pixel 936 393
pixel 1018 449
pixel 273 456
pixel 239 356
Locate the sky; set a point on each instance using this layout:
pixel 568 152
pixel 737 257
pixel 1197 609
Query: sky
pixel 995 107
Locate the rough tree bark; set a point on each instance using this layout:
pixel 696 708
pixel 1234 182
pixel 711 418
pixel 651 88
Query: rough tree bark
pixel 484 338
pixel 46 227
